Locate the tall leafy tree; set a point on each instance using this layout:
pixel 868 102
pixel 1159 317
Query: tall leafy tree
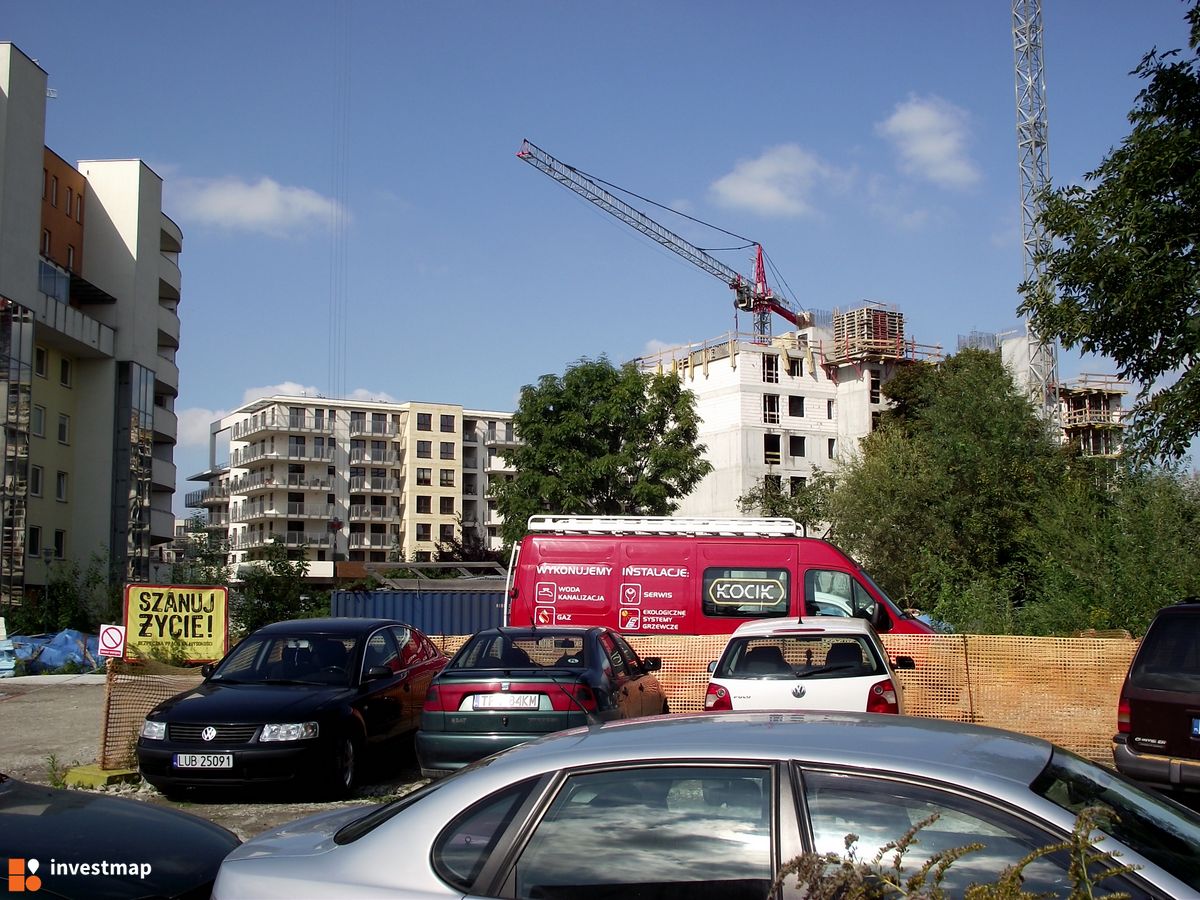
pixel 807 504
pixel 1122 270
pixel 601 440
pixel 272 590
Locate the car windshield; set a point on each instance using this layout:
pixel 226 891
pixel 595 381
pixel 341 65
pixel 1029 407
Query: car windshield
pixel 289 659
pixel 813 655
pixel 1164 832
pixel 544 650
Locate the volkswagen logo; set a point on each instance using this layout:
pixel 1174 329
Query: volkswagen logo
pixel 797 692
pixel 209 733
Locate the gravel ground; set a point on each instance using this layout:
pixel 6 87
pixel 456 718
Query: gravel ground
pixel 54 722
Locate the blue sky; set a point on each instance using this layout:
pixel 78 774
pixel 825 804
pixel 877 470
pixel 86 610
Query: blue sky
pixel 360 156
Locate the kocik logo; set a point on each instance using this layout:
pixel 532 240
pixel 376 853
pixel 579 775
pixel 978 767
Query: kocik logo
pixel 22 876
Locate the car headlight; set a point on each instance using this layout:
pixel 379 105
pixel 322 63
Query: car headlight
pixel 154 731
pixel 291 731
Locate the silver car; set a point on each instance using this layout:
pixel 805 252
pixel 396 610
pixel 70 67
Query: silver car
pixel 711 805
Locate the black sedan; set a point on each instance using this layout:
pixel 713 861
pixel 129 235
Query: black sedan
pixel 508 685
pixel 58 843
pixel 296 702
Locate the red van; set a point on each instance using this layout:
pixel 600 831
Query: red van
pixel 663 575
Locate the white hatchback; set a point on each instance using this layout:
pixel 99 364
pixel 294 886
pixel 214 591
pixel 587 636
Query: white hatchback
pixel 821 662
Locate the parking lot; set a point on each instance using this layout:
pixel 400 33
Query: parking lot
pixel 58 717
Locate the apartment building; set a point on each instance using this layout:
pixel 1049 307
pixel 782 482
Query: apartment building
pixel 354 481
pixel 790 406
pixel 89 328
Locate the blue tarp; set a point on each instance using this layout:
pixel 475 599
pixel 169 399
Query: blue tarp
pixel 47 652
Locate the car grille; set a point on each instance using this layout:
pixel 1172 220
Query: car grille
pixel 226 734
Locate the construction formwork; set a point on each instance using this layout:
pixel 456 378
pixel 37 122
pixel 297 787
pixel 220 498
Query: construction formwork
pixel 873 331
pixel 1092 414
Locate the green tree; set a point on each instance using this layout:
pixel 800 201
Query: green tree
pixel 205 557
pixel 272 590
pixel 601 440
pixel 807 504
pixel 1122 273
pixel 78 597
pixel 940 502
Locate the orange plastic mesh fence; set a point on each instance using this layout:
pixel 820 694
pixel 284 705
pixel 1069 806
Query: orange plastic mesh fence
pixel 1061 689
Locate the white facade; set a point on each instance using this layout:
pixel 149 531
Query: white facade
pixel 89 285
pixel 353 481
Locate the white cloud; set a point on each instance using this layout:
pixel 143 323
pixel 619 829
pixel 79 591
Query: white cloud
pixel 368 395
pixel 930 134
pixel 654 347
pixel 193 425
pixel 778 183
pixel 266 207
pixel 290 388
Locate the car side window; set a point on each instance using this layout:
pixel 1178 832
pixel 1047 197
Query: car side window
pixel 685 831
pixel 462 849
pixel 631 658
pixel 410 647
pixel 613 657
pixel 829 592
pixel 880 810
pixel 381 651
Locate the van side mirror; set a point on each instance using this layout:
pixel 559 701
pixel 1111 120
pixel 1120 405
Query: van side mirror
pixel 879 618
pixel 712 667
pixel 904 662
pixel 652 663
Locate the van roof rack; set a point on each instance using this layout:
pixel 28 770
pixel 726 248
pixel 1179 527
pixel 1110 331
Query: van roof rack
pixel 761 527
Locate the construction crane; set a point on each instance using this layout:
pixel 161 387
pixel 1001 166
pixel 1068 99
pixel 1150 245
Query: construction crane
pixel 749 295
pixel 1042 379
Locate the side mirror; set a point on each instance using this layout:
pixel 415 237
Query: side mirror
pixel 904 662
pixel 207 669
pixel 652 663
pixel 879 618
pixel 374 673
pixel 712 667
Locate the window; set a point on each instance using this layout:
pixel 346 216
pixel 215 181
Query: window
pixel 837 591
pixel 39 361
pixel 770 368
pixel 829 409
pixel 45 184
pixel 875 808
pixel 445 532
pixel 70 199
pixel 424 504
pixel 795 366
pixel 37 421
pixel 54 190
pixel 381 651
pixel 876 419
pixel 463 848
pixel 832 447
pixel 64 428
pixel 796 406
pixel 447 450
pixel 35 540
pixel 745 592
pixel 446 506
pixel 79 208
pixel 771 449
pixel 424 531
pixel 448 423
pixel 446 477
pixel 770 413
pixel 424 421
pixel 60 487
pixel 424 477
pixel 703 827
pixel 425 449
pixel 798 483
pixel 45 242
pixel 64 372
pixel 876 386
pixel 60 544
pixel 71 257
pixel 796 445
pixel 35 481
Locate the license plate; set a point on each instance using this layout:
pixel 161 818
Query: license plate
pixel 1195 727
pixel 204 760
pixel 506 701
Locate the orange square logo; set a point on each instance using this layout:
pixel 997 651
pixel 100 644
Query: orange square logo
pixel 22 876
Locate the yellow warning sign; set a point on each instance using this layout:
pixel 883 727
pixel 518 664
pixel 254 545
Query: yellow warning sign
pixel 161 619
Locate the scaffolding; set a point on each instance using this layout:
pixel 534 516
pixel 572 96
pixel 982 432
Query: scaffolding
pixel 1092 414
pixel 871 331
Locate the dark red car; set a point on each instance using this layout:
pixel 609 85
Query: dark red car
pixel 1158 719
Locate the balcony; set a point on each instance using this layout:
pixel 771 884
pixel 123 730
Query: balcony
pixel 309 482
pixel 374 429
pixel 373 541
pixel 501 438
pixel 218 521
pixel 216 495
pixel 166 425
pixel 372 457
pixel 168 327
pixel 248 541
pixel 310 510
pixel 374 513
pixel 162 475
pixel 360 484
pixel 166 374
pixel 162 526
pixel 275 421
pixel 252 512
pixel 253 484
